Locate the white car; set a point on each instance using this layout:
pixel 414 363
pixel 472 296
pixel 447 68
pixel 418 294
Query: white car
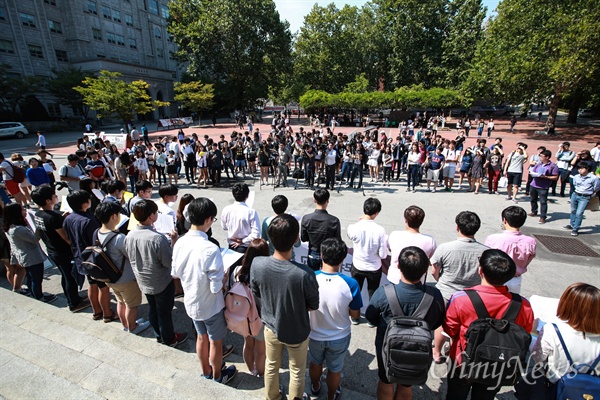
pixel 13 129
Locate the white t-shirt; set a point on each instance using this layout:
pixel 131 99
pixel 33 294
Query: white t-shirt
pixel 370 244
pixel 7 172
pixel 450 154
pixel 399 240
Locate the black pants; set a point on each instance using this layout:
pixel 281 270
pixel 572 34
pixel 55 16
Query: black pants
pixel 314 261
pixel 160 306
pixel 67 280
pixel 34 278
pixel 373 278
pixel 189 170
pixel 458 389
pixel 160 172
pixel 330 176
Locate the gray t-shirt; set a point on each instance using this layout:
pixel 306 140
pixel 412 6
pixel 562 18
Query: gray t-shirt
pixel 72 172
pixel 516 161
pixel 116 251
pixel 285 292
pixel 459 263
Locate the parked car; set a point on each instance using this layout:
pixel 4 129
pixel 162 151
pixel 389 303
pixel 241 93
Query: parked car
pixel 585 113
pixel 13 129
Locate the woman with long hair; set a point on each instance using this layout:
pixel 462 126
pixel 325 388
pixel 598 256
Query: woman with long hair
pixel 201 161
pixel 465 165
pixel 254 346
pixel 373 162
pixel 181 225
pixel 25 246
pixel 264 162
pixel 15 273
pixel 412 159
pixel 386 160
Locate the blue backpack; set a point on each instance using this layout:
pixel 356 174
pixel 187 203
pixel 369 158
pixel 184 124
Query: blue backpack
pixel 584 385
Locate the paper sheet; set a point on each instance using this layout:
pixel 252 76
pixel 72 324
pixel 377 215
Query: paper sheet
pixel 123 220
pixel 133 223
pixel 98 194
pixel 164 224
pixel 127 196
pixel 251 197
pixel 64 206
pixel 230 257
pixel 30 220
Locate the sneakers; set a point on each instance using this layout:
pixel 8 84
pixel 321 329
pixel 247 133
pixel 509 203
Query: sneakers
pixel 227 374
pixel 515 201
pixel 315 392
pixel 83 304
pixel 507 198
pixel 141 327
pixel 370 325
pixel 178 339
pixel 429 190
pixel 574 233
pixel 433 190
pixel 568 227
pixel 338 393
pixel 227 350
pixel 48 298
pixel 354 321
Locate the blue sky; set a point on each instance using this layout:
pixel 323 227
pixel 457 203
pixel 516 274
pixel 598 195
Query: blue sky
pixel 295 10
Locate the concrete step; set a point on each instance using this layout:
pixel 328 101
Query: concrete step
pixel 48 352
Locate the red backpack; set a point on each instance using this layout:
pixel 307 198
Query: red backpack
pixel 241 313
pixel 18 174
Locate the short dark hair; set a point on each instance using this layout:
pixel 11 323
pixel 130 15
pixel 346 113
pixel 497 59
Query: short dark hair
pixel 414 216
pixel 240 191
pixel 333 251
pixel 77 199
pixel 547 153
pixel 72 157
pixel 200 209
pixel 143 209
pixel 115 186
pixel 279 204
pixel 497 267
pixel 13 215
pixel 585 164
pixel 468 223
pixel 283 232
pixel 321 196
pixel 413 263
pixel 41 194
pixel 140 186
pixel 515 216
pixel 167 190
pixel 106 210
pixel 371 206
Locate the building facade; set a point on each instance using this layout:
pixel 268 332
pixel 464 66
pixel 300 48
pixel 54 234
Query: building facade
pixel 126 36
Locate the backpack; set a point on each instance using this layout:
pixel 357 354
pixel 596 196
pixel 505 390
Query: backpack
pixel 241 313
pixel 496 348
pixel 18 174
pixel 98 264
pixel 298 174
pixel 579 385
pixel 406 350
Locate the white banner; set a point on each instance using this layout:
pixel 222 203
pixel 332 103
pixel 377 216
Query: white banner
pixel 174 122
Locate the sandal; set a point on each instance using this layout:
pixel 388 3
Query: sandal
pixel 97 316
pixel 111 318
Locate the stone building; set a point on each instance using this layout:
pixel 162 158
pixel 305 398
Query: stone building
pixel 126 36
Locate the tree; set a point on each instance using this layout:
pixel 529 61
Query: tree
pixel 62 85
pixel 195 96
pixel 14 89
pixel 239 45
pixel 108 94
pixel 537 50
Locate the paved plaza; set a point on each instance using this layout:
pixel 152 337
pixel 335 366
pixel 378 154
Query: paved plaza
pixel 48 352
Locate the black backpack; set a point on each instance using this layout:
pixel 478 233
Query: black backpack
pixel 496 348
pixel 406 350
pixel 98 264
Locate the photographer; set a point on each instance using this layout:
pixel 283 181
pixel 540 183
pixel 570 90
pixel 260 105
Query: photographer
pixel 564 156
pixel 283 159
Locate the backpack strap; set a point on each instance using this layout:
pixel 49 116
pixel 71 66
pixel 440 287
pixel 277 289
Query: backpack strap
pixel 478 304
pixel 104 246
pixel 392 298
pixel 425 303
pixel 514 308
pixel 591 370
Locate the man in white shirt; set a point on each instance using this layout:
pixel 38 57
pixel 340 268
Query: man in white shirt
pixel 199 265
pixel 330 163
pixel 370 246
pixel 411 236
pixel 451 156
pixel 240 221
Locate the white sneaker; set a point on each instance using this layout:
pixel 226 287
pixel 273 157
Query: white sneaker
pixel 141 327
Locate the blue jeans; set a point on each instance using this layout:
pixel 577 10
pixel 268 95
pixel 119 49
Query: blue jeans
pixel 160 306
pixel 35 277
pixel 578 204
pixel 413 175
pixel 357 170
pixel 346 168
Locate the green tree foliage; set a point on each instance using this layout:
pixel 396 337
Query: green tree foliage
pixel 535 49
pixel 15 88
pixel 62 84
pixel 108 94
pixel 239 45
pixel 195 96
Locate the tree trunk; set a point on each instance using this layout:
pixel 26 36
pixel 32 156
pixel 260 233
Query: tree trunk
pixel 551 121
pixel 575 104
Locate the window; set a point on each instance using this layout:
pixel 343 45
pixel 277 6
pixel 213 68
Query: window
pixel 157 32
pixel 61 55
pixel 165 11
pixel 97 33
pixel 54 26
pixel 100 56
pixel 159 52
pixel 128 20
pixel 91 7
pixel 35 51
pixel 133 43
pixel 153 6
pixel 54 110
pixel 116 16
pixel 51 2
pixel 120 40
pixel 110 38
pixel 106 12
pixel 2 13
pixel 27 20
pixel 169 37
pixel 6 46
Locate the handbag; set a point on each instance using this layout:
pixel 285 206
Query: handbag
pixel 503 182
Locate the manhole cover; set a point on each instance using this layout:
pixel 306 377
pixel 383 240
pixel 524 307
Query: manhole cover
pixel 569 246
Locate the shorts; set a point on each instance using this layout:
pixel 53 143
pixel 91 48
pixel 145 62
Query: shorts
pixel 101 285
pixel 433 174
pixel 260 336
pixel 240 163
pixel 215 326
pixel 514 178
pixel 128 293
pixel 12 187
pixel 332 352
pixel 449 171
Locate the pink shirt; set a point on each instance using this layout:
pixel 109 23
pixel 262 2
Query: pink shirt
pixel 520 247
pixel 398 240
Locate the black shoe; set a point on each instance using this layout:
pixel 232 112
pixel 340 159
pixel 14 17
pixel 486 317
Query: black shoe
pixel 227 350
pixel 48 298
pixel 178 339
pixel 83 304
